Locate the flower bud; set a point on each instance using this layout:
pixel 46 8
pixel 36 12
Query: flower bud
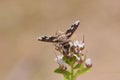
pixel 61 63
pixel 88 63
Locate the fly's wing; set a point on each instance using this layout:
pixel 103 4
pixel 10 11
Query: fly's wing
pixel 72 29
pixel 48 39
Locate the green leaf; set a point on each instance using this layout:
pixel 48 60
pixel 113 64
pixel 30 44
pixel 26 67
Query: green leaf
pixel 66 73
pixel 82 71
pixel 58 70
pixel 82 66
pixel 66 60
pixel 73 60
pixel 77 66
pixel 66 77
pixel 70 60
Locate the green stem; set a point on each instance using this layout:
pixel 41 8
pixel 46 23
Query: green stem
pixel 72 72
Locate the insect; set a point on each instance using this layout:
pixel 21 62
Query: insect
pixel 61 39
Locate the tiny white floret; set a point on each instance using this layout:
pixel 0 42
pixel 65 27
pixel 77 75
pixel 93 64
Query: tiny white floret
pixel 76 43
pixel 88 62
pixel 59 60
pixel 81 44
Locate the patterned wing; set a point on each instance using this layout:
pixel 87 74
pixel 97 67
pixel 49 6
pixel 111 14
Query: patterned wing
pixel 72 29
pixel 47 39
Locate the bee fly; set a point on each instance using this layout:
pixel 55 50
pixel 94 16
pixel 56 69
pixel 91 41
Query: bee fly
pixel 61 39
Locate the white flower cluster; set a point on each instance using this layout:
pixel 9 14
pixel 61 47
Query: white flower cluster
pixel 61 63
pixel 73 49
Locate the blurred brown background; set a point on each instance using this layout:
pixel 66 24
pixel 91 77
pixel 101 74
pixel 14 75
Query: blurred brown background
pixel 22 57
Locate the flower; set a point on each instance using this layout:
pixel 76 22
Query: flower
pixel 88 63
pixel 78 46
pixel 61 63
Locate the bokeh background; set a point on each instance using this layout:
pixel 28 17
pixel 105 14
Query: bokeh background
pixel 22 57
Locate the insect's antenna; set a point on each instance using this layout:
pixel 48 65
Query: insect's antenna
pixel 83 39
